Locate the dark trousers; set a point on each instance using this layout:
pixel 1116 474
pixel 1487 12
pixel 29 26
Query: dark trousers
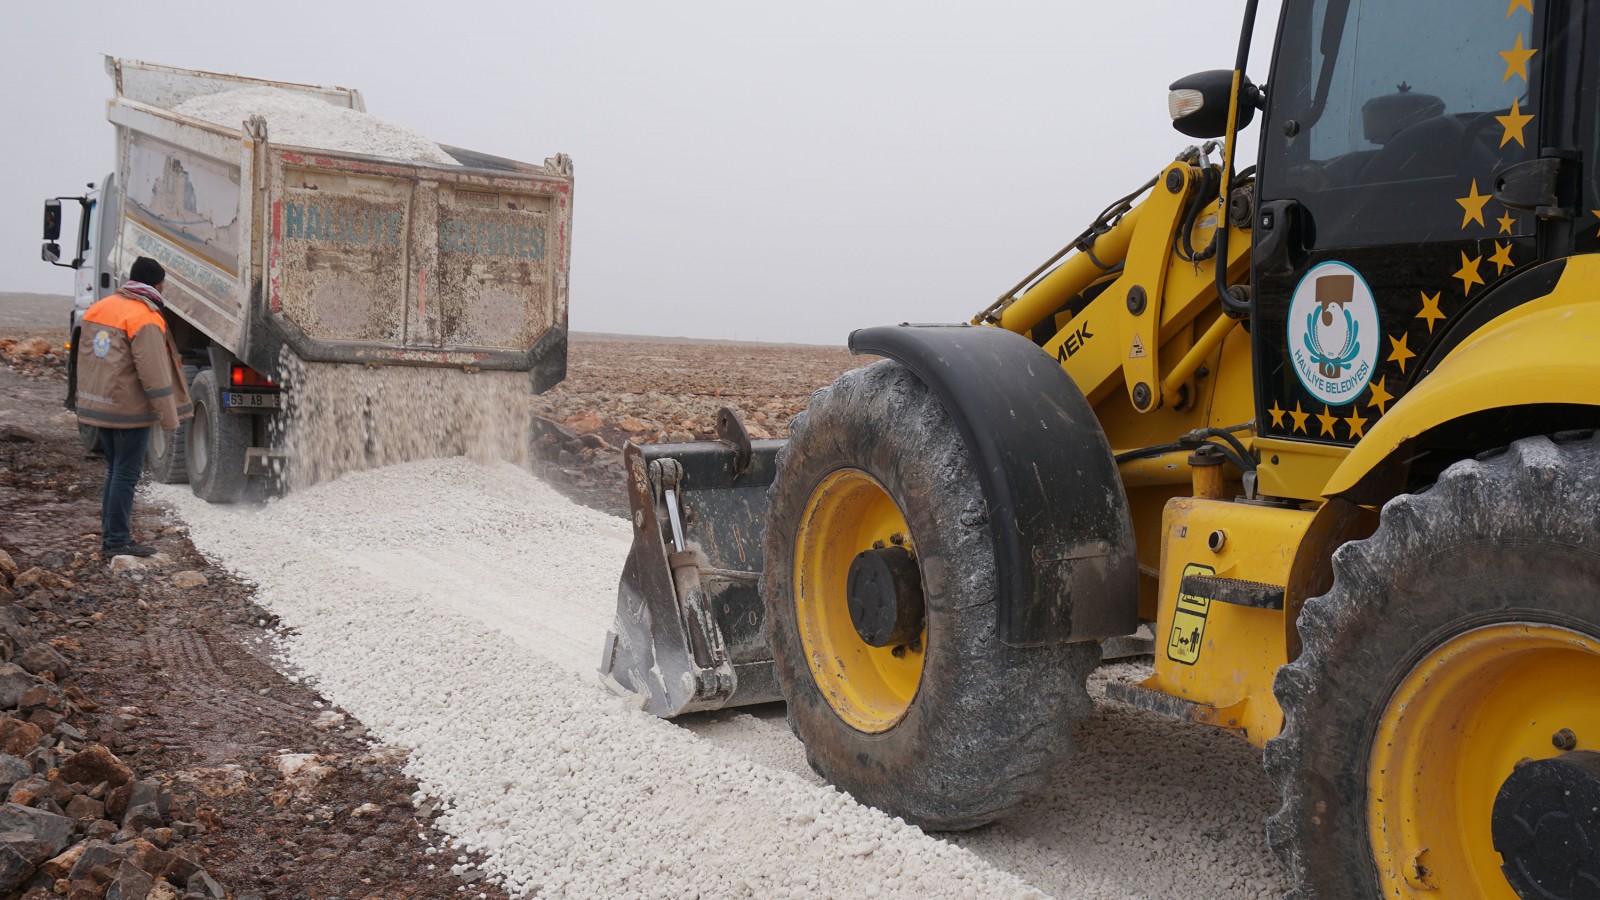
pixel 124 448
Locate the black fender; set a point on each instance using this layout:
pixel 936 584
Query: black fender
pixel 1064 551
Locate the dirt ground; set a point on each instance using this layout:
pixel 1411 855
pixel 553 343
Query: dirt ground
pixel 182 688
pixel 180 681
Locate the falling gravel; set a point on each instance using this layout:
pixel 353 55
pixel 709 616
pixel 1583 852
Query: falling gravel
pixel 301 120
pixel 341 418
pixel 459 608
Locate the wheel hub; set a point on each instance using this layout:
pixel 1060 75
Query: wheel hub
pixel 1546 824
pixel 884 594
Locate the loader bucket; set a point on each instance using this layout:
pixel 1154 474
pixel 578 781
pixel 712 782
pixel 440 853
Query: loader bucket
pixel 690 631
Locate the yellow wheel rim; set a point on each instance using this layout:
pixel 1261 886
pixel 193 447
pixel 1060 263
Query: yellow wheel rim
pixel 1451 735
pixel 871 688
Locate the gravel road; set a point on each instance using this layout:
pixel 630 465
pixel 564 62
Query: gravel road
pixel 458 609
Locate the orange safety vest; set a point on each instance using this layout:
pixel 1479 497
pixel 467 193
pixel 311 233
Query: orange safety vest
pixel 129 371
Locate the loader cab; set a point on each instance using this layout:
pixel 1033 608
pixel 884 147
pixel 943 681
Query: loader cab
pixel 1411 167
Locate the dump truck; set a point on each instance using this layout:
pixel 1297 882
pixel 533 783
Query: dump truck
pixel 277 253
pixel 1328 422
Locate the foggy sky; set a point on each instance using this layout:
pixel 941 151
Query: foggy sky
pixel 761 171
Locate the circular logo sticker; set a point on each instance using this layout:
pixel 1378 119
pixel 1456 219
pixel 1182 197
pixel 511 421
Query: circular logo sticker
pixel 102 343
pixel 1333 333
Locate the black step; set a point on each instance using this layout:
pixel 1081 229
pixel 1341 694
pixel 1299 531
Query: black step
pixel 1236 591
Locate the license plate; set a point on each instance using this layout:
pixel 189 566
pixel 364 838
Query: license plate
pixel 240 400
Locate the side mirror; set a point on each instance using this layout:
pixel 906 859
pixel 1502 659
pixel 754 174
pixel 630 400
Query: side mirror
pixel 51 253
pixel 1198 103
pixel 52 220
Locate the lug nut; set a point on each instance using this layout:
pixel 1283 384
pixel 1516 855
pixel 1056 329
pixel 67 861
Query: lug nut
pixel 897 539
pixel 1564 739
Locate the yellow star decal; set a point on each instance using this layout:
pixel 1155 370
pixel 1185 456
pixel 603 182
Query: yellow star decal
pixel 1328 420
pixel 1520 4
pixel 1380 397
pixel 1277 414
pixel 1468 273
pixel 1400 352
pixel 1356 424
pixel 1517 60
pixel 1473 204
pixel 1299 417
pixel 1430 310
pixel 1501 258
pixel 1508 222
pixel 1514 122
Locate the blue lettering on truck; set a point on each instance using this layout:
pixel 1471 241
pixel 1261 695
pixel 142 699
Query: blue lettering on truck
pixel 492 239
pixel 313 222
pixel 316 222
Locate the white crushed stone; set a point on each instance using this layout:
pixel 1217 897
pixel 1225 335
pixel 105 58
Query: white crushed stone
pixel 459 609
pixel 423 616
pixel 301 120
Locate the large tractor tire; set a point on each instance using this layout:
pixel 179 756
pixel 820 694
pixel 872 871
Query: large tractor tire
pixel 217 441
pixel 1442 719
pixel 167 456
pixel 879 582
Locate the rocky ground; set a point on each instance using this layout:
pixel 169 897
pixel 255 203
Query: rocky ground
pixel 148 747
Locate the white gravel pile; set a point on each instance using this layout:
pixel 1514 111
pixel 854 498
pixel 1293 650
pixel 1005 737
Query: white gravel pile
pixel 301 120
pixel 420 594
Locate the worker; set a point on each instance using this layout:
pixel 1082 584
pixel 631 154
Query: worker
pixel 130 377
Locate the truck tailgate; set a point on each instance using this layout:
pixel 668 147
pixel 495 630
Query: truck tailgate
pixel 387 262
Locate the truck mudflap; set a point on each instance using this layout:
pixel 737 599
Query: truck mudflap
pixel 690 631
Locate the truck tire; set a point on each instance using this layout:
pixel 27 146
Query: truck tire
pixel 167 456
pixel 1458 644
pixel 216 444
pixel 953 729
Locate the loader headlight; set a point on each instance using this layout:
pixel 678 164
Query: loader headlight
pixel 1184 103
pixel 1198 103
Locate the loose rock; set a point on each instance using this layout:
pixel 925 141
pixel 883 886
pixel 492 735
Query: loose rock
pixel 42 658
pixel 127 564
pixel 188 579
pixel 94 764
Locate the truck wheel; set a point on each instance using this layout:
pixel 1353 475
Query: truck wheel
pixel 216 444
pixel 167 457
pixel 879 582
pixel 1441 722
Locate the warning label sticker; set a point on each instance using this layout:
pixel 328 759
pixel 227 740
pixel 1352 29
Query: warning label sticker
pixel 1189 621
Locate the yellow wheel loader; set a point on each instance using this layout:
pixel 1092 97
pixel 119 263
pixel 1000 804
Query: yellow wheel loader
pixel 1326 423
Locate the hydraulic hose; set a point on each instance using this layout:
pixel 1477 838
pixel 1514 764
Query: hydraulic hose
pixel 1234 306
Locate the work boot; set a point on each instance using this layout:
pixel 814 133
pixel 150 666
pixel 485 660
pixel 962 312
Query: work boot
pixel 129 549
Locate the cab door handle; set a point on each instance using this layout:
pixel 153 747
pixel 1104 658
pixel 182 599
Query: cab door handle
pixel 1276 234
